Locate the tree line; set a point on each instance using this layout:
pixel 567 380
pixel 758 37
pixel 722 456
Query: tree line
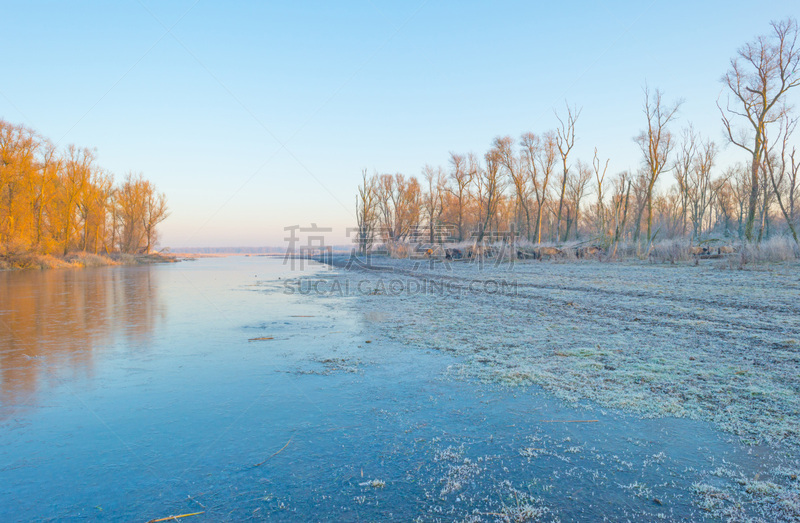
pixel 534 185
pixel 55 201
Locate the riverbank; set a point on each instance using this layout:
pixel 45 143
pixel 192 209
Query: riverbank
pixel 82 259
pixel 674 340
pixel 652 340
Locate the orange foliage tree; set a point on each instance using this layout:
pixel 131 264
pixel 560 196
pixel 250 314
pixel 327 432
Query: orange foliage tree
pixel 57 201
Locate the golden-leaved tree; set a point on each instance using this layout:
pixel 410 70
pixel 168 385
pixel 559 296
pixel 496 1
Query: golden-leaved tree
pixel 56 201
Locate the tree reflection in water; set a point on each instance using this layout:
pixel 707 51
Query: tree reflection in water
pixel 53 321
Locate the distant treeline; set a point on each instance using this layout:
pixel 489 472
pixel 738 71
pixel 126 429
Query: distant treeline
pixel 231 250
pixel 265 250
pixel 54 201
pixel 536 187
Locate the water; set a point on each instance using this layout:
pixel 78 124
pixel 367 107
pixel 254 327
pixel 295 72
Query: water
pixel 133 393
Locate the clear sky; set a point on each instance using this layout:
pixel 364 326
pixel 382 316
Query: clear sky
pixel 254 116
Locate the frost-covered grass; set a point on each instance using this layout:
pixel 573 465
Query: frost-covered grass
pixel 743 255
pixel 751 498
pixel 772 250
pixel 654 340
pixel 467 490
pixel 374 483
pixel 729 253
pixel 659 341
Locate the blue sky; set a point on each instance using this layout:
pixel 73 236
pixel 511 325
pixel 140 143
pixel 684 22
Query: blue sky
pixel 254 116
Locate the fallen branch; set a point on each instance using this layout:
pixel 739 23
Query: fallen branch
pixel 168 518
pixel 269 458
pixel 261 339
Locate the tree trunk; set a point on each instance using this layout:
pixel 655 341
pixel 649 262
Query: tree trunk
pixel 560 207
pixel 753 201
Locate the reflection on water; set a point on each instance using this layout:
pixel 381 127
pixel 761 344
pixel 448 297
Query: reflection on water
pixel 54 321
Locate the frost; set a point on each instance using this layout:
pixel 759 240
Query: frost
pixel 457 476
pixel 655 458
pixel 640 489
pixel 374 483
pixel 654 341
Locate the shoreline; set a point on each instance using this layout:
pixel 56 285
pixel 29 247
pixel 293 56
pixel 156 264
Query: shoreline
pixel 619 334
pixel 80 260
pixel 691 343
pixel 381 262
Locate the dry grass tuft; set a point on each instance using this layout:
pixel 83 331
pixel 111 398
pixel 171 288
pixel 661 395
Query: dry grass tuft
pixel 77 260
pixel 670 251
pixel 85 259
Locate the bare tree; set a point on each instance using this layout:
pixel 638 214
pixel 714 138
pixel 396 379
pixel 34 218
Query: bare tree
pixel 599 177
pixel 92 208
pixel 492 185
pixel 693 165
pixel 565 141
pixel 793 185
pixel 539 156
pixel 44 185
pixel 781 168
pixel 760 76
pixel 656 144
pixel 78 169
pixel 576 190
pixel 700 187
pixel 461 178
pixel 739 176
pixel 639 183
pixel 518 175
pixel 478 179
pixel 683 167
pixel 366 213
pixel 155 212
pixel 619 206
pixel 432 199
pixel 385 192
pixel 407 202
pixel 130 200
pixel 724 201
pixel 18 148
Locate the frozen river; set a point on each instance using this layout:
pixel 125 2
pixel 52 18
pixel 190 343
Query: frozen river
pixel 135 393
